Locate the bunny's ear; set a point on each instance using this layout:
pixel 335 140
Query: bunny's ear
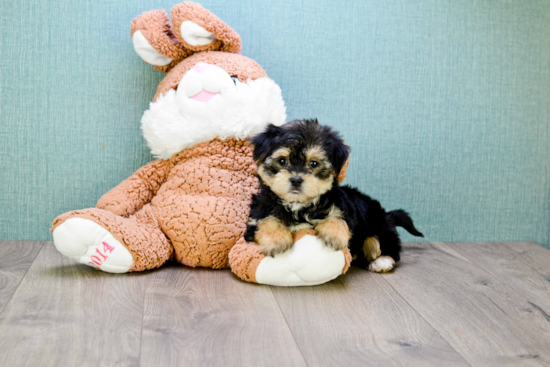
pixel 200 30
pixel 155 42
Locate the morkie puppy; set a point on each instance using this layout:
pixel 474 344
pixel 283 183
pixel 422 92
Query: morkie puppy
pixel 298 165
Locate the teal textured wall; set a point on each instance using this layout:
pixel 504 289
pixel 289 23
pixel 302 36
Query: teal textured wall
pixel 445 103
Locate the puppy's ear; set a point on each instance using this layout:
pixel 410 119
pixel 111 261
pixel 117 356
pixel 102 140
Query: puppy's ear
pixel 340 153
pixel 265 142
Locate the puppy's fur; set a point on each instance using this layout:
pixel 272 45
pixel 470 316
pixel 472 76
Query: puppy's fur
pixel 298 165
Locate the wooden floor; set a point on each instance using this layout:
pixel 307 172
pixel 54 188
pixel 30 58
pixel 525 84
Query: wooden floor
pixel 446 304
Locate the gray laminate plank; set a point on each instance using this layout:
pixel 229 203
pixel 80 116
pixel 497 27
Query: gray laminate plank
pixel 512 269
pixel 484 319
pixel 67 314
pixel 532 254
pixel 15 259
pixel 205 317
pixel 359 320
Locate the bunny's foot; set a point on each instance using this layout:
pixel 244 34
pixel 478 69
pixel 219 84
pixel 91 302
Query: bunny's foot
pixel 89 243
pixel 308 262
pixel 114 244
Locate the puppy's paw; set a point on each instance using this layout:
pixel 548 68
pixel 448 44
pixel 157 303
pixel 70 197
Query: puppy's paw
pixel 334 232
pixel 383 264
pixel 273 237
pixel 275 245
pixel 334 240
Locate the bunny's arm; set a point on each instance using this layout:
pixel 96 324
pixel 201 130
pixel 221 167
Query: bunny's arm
pixel 137 190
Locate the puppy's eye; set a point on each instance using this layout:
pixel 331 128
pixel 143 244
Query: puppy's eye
pixel 313 164
pixel 235 79
pixel 282 161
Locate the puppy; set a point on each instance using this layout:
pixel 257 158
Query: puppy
pixel 298 166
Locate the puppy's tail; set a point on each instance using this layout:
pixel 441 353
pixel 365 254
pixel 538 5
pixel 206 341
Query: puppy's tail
pixel 402 219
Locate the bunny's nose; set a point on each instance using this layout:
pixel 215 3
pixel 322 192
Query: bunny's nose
pixel 201 67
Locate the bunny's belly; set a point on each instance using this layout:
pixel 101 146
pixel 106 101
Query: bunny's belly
pixel 204 205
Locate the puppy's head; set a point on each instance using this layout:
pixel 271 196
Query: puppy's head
pixel 300 160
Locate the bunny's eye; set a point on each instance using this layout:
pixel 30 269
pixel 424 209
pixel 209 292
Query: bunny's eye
pixel 235 79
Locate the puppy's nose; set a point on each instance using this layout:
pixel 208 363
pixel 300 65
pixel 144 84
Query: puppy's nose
pixel 296 181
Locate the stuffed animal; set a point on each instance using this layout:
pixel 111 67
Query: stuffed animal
pixel 191 205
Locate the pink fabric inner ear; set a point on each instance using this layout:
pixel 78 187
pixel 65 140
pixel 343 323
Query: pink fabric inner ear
pixel 203 96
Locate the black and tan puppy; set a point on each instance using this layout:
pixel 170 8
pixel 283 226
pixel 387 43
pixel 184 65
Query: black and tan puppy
pixel 298 165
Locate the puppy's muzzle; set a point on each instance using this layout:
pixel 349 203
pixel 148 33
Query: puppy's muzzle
pixel 296 182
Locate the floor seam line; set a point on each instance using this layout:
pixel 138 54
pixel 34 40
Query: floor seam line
pixel 142 322
pixel 428 322
pixel 288 326
pixel 23 277
pixel 521 258
pixel 502 281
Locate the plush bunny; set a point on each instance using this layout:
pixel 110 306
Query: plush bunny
pixel 191 205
